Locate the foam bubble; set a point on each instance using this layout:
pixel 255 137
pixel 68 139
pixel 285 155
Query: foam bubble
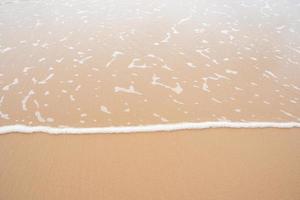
pixel 145 128
pixel 7 87
pixel 26 98
pixel 131 90
pixel 177 89
pixel 105 109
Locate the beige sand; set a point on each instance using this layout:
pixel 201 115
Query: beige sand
pixel 205 164
pixel 111 63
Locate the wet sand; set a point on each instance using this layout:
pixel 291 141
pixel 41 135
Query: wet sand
pixel 206 164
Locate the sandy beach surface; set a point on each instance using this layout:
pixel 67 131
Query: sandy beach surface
pixel 106 63
pixel 205 164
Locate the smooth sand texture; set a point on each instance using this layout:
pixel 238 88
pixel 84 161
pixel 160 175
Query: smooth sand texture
pixel 204 164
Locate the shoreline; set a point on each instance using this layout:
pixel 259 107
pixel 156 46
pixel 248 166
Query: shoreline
pixel 146 128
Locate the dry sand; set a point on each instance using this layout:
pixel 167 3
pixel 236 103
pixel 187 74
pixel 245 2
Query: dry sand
pixel 205 164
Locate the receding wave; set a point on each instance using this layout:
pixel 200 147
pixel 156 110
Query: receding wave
pixel 145 128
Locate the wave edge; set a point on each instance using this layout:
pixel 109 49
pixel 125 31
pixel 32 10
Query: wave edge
pixel 20 128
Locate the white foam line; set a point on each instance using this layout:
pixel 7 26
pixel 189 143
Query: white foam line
pixel 146 128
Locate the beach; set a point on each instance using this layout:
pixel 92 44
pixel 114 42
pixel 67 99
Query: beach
pixel 149 99
pixel 205 164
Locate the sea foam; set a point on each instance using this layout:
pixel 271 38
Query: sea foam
pixel 145 128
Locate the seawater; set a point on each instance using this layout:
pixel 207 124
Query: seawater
pixel 157 63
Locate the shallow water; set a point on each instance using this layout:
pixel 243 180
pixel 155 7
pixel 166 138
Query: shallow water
pixel 103 63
